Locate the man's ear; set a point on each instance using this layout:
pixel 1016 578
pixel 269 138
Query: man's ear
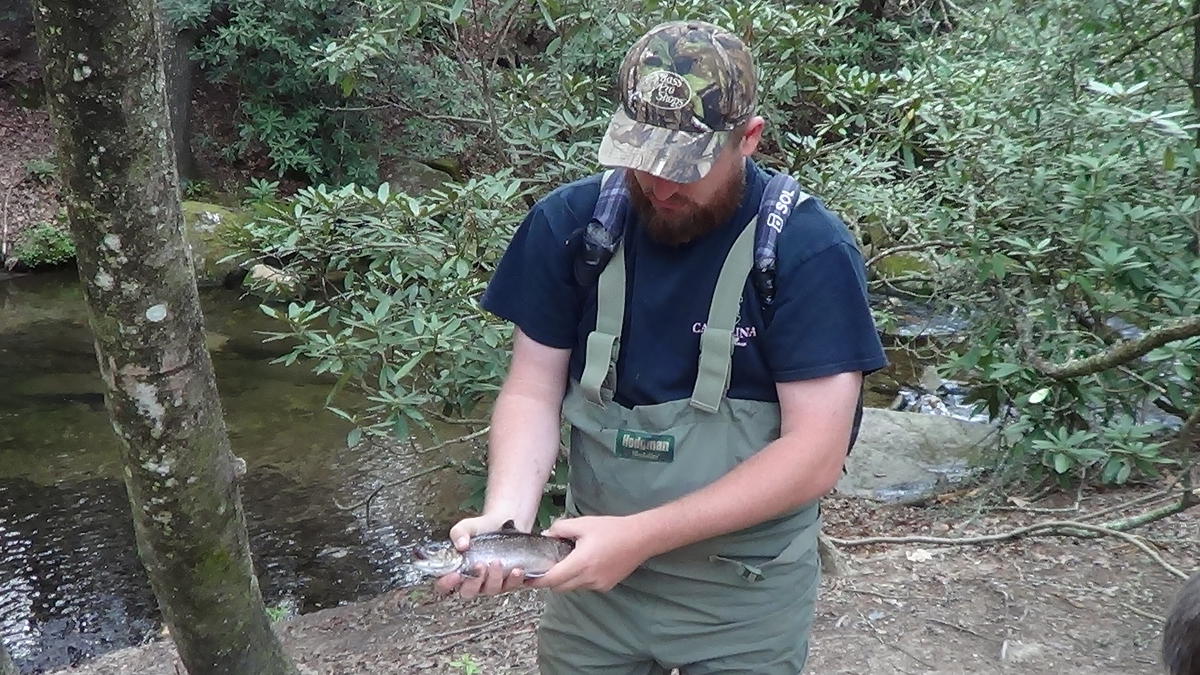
pixel 752 135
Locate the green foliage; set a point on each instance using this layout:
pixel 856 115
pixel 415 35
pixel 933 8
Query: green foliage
pixel 1067 203
pixel 41 170
pixel 286 110
pixel 261 190
pixel 184 14
pixel 467 665
pixel 1051 160
pixel 395 282
pixel 197 189
pixel 44 245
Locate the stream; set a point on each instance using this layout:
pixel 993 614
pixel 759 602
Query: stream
pixel 71 585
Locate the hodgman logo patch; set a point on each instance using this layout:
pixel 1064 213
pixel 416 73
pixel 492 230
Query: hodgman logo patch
pixel 666 90
pixel 646 447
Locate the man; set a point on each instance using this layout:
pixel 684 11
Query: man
pixel 705 426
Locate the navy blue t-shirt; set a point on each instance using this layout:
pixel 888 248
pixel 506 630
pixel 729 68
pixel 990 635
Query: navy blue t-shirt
pixel 819 324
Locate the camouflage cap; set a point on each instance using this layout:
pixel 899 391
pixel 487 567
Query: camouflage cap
pixel 684 85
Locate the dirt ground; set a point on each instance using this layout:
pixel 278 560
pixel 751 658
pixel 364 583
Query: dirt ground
pixel 25 198
pixel 1036 606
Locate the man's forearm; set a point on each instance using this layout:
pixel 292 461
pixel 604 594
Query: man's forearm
pixel 781 477
pixel 522 448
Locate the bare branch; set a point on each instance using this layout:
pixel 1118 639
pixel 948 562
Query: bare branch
pixel 936 243
pixel 1054 527
pixel 406 108
pixel 1147 40
pixel 1120 353
pixel 1074 528
pixel 453 441
pixel 375 493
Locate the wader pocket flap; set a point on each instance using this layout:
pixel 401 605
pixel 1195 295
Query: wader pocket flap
pixel 803 545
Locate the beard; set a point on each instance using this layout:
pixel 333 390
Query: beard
pixel 690 220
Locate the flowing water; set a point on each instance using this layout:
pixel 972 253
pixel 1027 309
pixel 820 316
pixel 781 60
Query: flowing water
pixel 71 585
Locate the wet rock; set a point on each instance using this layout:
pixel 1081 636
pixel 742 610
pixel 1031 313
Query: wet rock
pixel 207 228
pixel 415 178
pixel 903 456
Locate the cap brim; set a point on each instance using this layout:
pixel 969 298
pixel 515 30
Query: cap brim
pixel 680 156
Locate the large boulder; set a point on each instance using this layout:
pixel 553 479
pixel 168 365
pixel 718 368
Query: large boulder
pixel 905 456
pixel 207 228
pixel 414 178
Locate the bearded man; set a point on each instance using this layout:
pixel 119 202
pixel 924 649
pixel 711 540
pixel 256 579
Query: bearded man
pixel 707 420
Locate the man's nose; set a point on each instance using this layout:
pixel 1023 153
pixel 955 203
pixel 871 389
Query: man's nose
pixel 663 189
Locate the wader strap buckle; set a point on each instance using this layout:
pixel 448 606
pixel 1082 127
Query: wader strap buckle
pixel 745 571
pixel 712 379
pixel 598 373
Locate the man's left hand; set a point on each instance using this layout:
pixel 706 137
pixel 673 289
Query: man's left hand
pixel 607 549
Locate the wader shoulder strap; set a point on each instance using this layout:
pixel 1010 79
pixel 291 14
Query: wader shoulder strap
pixel 716 342
pixel 604 343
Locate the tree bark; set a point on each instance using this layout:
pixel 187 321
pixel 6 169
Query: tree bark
pixel 1195 86
pixel 106 91
pixel 180 71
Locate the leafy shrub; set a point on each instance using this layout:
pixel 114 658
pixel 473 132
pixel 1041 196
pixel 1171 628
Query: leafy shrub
pixel 41 170
pixel 264 50
pixel 44 245
pixel 395 281
pixel 1035 172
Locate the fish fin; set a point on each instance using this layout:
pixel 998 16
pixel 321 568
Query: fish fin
pixel 509 526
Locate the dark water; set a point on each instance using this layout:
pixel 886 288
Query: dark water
pixel 71 585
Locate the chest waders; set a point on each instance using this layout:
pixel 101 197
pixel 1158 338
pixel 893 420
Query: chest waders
pixel 741 602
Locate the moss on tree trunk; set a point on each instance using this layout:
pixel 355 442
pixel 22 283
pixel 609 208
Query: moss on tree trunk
pixel 106 90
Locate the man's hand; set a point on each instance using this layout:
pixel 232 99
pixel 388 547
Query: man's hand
pixel 487 580
pixel 607 549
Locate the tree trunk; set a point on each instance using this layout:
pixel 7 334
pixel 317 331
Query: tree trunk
pixel 180 71
pixel 7 667
pixel 1195 85
pixel 107 100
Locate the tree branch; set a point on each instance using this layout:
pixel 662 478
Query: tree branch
pixel 375 493
pixel 1147 40
pixel 1053 527
pixel 907 247
pixel 406 108
pixel 1119 353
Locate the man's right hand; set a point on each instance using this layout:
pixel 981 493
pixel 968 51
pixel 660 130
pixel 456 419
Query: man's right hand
pixel 489 580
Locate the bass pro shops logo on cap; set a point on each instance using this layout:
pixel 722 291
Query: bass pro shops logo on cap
pixel 664 89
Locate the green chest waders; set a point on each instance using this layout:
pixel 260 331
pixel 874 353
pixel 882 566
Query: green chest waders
pixel 741 602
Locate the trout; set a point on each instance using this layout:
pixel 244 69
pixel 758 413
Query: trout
pixel 510 547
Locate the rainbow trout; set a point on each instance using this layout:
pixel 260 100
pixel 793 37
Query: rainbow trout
pixel 513 549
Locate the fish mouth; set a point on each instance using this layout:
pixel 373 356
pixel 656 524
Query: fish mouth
pixel 420 554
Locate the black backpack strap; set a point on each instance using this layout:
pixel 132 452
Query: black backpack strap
pixel 781 195
pixel 604 231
